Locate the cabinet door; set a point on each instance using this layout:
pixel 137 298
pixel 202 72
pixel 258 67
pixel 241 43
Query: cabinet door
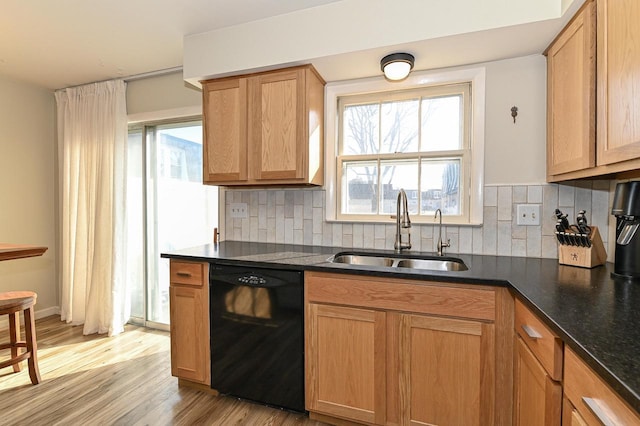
pixel 571 96
pixel 618 77
pixel 189 333
pixel 277 123
pixel 345 350
pixel 447 371
pixel 570 416
pixel 537 399
pixel 225 130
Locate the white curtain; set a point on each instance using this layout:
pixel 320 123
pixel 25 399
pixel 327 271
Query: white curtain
pixel 92 149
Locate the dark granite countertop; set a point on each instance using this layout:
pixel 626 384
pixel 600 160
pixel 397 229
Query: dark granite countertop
pixel 597 316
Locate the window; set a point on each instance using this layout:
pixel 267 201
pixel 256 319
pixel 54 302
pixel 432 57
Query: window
pixel 424 135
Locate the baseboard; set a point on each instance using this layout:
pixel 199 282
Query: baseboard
pixel 42 313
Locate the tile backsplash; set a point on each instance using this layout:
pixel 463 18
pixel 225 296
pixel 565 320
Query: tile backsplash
pixel 297 216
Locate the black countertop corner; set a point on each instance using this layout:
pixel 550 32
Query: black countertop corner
pixel 596 315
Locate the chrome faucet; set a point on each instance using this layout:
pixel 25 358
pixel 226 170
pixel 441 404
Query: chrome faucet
pixel 404 223
pixel 441 245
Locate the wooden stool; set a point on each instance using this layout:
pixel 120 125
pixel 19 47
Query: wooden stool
pixel 11 303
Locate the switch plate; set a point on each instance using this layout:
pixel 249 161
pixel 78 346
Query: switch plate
pixel 528 214
pixel 239 210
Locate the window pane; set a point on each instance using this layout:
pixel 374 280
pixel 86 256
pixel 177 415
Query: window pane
pixel 135 223
pixel 359 188
pixel 396 175
pixel 440 186
pixel 442 123
pixel 360 129
pixel 400 126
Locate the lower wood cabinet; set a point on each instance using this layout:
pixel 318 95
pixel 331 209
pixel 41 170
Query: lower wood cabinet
pixel 401 352
pixel 446 371
pixel 538 371
pixel 189 316
pixel 346 362
pixel 590 400
pixel 537 398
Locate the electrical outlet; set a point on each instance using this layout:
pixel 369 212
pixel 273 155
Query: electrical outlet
pixel 528 214
pixel 239 210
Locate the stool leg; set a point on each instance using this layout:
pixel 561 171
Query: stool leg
pixel 32 346
pixel 14 337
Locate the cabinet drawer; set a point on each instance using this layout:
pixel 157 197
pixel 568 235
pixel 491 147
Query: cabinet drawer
pixel 594 400
pixel 402 295
pixel 546 346
pixel 188 273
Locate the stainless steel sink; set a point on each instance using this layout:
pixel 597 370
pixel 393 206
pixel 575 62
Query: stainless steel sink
pixel 434 263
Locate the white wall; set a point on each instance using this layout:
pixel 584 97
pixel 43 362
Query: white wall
pixel 28 188
pixel 164 92
pixel 516 153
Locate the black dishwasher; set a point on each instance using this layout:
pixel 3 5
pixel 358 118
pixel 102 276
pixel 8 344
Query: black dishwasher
pixel 257 336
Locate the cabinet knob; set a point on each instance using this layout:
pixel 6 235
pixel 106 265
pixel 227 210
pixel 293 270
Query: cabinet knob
pixel 183 274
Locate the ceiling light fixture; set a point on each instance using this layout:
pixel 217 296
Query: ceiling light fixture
pixel 397 66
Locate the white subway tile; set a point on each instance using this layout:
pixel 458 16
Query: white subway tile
pixel 504 238
pixel 520 194
pixel 504 203
pixel 465 242
pixel 534 241
pixel 549 247
pixel 491 196
pixel 534 194
pixel 518 247
pixel 566 196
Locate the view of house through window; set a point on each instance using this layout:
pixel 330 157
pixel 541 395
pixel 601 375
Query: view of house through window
pixel 168 208
pixel 417 140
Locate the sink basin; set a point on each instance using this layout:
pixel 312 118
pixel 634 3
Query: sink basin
pixel 360 259
pixel 433 263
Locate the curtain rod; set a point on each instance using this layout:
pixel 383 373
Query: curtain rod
pixel 132 77
pixel 152 74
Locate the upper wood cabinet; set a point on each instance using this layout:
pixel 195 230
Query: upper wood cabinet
pixel 575 149
pixel 264 129
pixel 618 81
pixel 571 97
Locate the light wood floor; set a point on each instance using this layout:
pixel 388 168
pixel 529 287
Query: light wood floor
pixel 123 380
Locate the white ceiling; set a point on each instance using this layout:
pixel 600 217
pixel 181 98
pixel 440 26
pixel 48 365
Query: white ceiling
pixel 62 43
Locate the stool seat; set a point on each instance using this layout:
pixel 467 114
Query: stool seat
pixel 11 303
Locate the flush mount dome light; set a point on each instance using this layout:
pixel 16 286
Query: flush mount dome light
pixel 397 66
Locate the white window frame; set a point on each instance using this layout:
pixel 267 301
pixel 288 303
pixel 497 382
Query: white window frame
pixel 333 91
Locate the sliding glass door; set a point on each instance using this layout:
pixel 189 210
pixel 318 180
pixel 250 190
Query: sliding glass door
pixel 168 209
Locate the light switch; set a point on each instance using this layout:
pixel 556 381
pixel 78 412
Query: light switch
pixel 528 214
pixel 238 210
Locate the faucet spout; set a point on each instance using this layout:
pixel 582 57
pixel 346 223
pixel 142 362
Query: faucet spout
pixel 402 222
pixel 441 245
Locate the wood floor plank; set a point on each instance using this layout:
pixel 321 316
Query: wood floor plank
pixel 122 380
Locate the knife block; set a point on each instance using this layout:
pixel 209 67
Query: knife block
pixel 584 257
